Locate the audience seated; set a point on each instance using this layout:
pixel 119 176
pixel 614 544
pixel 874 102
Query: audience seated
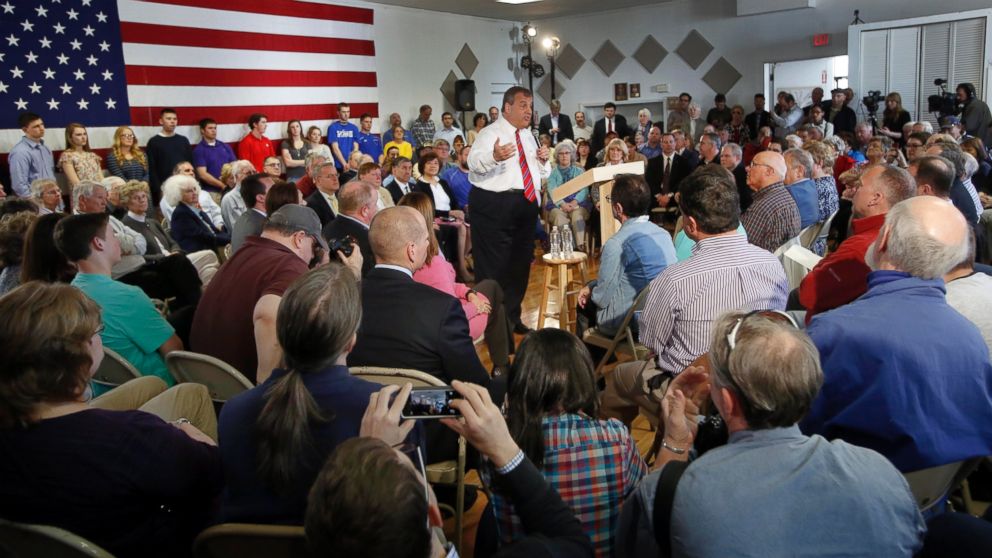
pixel 370 499
pixel 828 202
pixel 457 178
pixel 765 374
pixel 482 304
pixel 128 470
pixel 236 319
pixel 134 196
pixel 14 228
pixel 324 200
pixel 970 292
pixel 906 374
pixel 452 234
pixel 573 209
pixel 253 193
pixel 47 195
pixel 357 205
pixel 631 258
pixel 275 437
pixel 204 199
pixel 773 218
pixel 232 205
pixel 190 225
pixel 799 182
pixel 42 260
pixel 842 276
pixel 724 272
pixel 553 406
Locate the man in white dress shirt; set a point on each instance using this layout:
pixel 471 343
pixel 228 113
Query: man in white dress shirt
pixel 506 168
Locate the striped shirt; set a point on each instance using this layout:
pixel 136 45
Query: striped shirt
pixel 593 464
pixel 724 273
pixel 773 217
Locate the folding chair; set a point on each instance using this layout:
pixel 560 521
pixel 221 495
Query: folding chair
pixel 445 472
pixel 223 381
pixel 246 540
pixel 21 539
pixel 624 334
pixel 114 370
pixel 932 486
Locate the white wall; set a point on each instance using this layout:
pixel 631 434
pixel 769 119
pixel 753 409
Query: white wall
pixel 746 42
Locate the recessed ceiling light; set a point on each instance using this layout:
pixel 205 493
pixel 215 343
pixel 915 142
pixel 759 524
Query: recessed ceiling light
pixel 517 1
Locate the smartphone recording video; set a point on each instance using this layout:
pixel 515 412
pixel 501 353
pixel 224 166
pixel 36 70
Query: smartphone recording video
pixel 430 403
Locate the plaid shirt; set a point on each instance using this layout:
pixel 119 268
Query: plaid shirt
pixel 423 132
pixel 594 465
pixel 772 219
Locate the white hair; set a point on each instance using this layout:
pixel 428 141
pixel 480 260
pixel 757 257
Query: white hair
pixel 38 186
pixel 911 248
pixel 644 112
pixel 970 164
pixel 172 188
pixel 927 127
pixel 84 189
pixel 240 166
pixel 794 141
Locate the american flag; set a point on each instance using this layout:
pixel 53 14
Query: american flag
pixel 104 63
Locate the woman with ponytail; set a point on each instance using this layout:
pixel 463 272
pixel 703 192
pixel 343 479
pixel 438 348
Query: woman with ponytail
pixel 276 436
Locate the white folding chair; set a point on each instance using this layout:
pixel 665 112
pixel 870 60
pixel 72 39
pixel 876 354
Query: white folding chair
pixel 223 381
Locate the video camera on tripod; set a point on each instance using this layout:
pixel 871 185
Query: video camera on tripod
pixel 944 103
pixel 872 101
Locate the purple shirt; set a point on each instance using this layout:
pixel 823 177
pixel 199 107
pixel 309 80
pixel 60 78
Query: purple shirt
pixel 212 157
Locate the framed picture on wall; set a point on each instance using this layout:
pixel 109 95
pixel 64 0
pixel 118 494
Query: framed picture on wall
pixel 635 90
pixel 619 91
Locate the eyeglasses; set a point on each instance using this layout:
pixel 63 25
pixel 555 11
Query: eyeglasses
pixel 127 136
pixel 724 370
pixel 752 164
pixel 99 330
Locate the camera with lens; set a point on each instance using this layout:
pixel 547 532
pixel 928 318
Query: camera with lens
pixel 944 103
pixel 345 245
pixel 872 101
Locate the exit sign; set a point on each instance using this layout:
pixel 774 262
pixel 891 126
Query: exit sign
pixel 821 40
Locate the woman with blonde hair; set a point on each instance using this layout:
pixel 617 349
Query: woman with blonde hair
pixel 894 118
pixel 78 162
pixel 483 304
pixel 125 159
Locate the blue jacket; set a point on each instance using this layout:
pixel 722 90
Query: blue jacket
pixel 904 374
pixel 195 232
pixel 634 256
pixel 804 192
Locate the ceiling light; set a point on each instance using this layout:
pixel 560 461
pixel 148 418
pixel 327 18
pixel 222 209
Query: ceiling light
pixel 517 1
pixel 530 30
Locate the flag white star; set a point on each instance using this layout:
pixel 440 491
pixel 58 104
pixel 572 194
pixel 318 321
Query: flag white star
pixel 1 56
pixel 111 104
pixel 35 88
pixel 73 14
pixel 63 59
pixel 92 60
pixel 59 29
pixel 88 30
pixel 66 89
pixel 49 73
pixel 7 8
pixel 83 104
pixel 27 25
pixel 95 89
pixel 76 45
pixel 104 46
pixel 42 11
pixel 108 75
pixel 87 2
pixel 21 104
pixel 12 40
pixel 101 17
pixel 45 42
pixel 31 56
pixel 17 72
pixel 3 87
pixel 80 75
pixel 53 104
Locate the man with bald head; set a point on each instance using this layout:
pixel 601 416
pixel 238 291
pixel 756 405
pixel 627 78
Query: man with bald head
pixel 842 276
pixel 773 217
pixel 904 373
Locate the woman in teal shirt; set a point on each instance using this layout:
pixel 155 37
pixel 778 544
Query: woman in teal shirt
pixel 574 208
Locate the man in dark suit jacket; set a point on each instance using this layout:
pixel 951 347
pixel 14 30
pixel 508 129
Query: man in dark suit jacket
pixel 324 200
pixel 357 205
pixel 611 121
pixel 253 191
pixel 406 324
pixel 563 131
pixel 680 166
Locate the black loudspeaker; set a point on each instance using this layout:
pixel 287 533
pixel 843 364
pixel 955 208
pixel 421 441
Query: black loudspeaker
pixel 465 95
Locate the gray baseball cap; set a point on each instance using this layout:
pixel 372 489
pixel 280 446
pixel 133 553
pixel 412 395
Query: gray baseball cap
pixel 301 218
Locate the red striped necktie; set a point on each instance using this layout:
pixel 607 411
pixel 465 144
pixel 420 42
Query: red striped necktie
pixel 525 171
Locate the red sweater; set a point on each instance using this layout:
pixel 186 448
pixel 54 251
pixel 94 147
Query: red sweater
pixel 255 150
pixel 842 276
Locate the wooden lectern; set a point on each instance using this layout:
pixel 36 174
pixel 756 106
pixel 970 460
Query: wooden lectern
pixel 603 177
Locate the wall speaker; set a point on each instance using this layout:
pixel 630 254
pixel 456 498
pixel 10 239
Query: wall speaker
pixel 465 95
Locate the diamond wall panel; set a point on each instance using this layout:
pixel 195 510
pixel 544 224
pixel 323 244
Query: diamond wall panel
pixel 544 90
pixel 448 88
pixel 570 60
pixel 466 61
pixel 608 57
pixel 650 53
pixel 722 76
pixel 694 49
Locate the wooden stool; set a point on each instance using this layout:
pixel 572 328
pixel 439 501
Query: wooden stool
pixel 566 286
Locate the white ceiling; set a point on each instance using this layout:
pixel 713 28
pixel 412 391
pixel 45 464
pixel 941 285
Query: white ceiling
pixel 520 12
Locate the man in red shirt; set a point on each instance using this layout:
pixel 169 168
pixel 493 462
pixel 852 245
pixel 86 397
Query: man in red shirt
pixel 255 147
pixel 842 276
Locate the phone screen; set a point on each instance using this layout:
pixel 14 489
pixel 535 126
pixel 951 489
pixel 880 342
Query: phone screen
pixel 430 403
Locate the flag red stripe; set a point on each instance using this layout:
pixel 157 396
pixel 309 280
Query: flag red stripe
pixel 169 35
pixel 164 75
pixel 149 116
pixel 290 8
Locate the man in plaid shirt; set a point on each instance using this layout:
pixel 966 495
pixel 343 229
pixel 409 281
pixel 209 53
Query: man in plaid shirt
pixel 423 127
pixel 773 217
